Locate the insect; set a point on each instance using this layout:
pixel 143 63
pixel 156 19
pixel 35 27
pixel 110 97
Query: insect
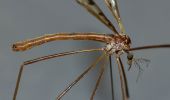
pixel 117 43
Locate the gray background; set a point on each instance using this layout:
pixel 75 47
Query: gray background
pixel 146 21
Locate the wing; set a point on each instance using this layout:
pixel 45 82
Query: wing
pixel 113 6
pixel 94 9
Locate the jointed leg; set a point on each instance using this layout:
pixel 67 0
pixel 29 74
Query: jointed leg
pixel 79 77
pixel 99 79
pixel 41 59
pixel 111 76
pixel 123 79
pixel 150 47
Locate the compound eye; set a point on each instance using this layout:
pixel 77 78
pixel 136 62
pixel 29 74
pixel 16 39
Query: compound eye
pixel 128 41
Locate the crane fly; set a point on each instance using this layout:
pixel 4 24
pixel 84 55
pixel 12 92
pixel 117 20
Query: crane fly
pixel 116 44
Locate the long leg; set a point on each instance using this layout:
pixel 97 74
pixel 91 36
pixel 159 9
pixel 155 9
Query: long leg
pixel 111 77
pixel 123 79
pixel 41 59
pixel 94 9
pixel 79 77
pixel 113 6
pixel 150 47
pixel 99 79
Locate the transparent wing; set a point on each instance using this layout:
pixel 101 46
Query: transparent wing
pixel 113 6
pixel 94 9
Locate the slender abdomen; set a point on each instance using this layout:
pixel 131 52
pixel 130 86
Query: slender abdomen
pixel 28 44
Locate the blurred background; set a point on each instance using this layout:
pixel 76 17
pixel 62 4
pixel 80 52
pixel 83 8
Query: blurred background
pixel 146 22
